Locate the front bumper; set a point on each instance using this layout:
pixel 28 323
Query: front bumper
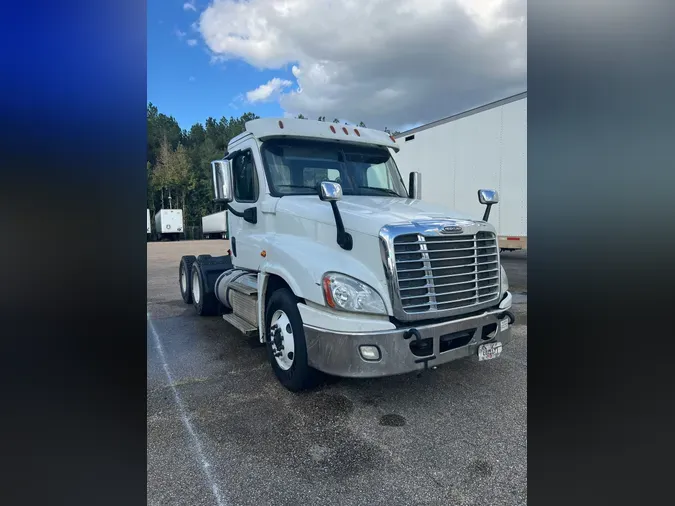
pixel 402 351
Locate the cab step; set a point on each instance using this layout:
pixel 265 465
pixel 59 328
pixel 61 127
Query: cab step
pixel 240 324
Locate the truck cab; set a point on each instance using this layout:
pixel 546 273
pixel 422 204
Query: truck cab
pixel 338 268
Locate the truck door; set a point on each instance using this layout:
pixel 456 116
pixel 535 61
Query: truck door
pixel 245 238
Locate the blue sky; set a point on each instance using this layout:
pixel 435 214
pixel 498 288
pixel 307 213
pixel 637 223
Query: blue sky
pixel 395 64
pixel 182 81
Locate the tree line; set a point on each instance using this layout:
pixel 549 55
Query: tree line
pixel 179 161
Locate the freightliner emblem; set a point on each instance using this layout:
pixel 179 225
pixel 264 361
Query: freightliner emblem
pixel 452 229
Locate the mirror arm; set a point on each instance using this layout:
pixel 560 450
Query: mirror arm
pixel 250 214
pixel 332 192
pixel 488 198
pixel 344 238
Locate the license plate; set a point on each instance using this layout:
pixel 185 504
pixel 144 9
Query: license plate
pixel 489 351
pixel 504 324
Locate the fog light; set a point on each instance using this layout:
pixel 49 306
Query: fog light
pixel 370 353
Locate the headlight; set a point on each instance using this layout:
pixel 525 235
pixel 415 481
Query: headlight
pixel 504 280
pixel 349 294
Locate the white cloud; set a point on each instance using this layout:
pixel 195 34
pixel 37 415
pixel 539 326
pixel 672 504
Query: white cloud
pixel 191 42
pixel 190 6
pixel 192 79
pixel 237 101
pixel 180 34
pixel 268 91
pixel 385 62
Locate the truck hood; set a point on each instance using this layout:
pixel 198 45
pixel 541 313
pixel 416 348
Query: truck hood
pixel 366 214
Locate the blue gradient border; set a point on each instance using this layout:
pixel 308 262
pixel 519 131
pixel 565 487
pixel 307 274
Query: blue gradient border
pixel 73 247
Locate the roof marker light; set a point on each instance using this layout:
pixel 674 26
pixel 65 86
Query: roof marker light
pixel 332 128
pixel 357 133
pixel 344 129
pixel 392 138
pixel 281 124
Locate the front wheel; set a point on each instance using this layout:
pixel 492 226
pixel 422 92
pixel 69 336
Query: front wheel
pixel 286 346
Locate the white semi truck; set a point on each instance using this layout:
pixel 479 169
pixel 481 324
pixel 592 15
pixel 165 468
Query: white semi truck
pixel 169 224
pixel 485 147
pixel 337 268
pixel 214 226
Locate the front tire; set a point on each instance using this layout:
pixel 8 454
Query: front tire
pixel 286 345
pixel 205 303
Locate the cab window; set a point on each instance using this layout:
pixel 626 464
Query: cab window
pixel 245 177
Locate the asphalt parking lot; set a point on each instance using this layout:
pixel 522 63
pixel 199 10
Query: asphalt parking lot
pixel 223 431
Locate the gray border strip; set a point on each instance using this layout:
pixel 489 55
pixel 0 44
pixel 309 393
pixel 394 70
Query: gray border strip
pixel 464 114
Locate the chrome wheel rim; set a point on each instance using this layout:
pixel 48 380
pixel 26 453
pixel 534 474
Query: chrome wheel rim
pixel 196 290
pixel 282 340
pixel 183 280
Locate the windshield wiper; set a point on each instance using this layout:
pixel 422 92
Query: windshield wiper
pixel 385 190
pixel 298 186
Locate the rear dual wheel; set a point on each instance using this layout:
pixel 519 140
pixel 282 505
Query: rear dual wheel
pixel 204 302
pixel 185 277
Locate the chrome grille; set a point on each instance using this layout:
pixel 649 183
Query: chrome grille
pixel 443 273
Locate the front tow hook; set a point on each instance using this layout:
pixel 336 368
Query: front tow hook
pixel 418 337
pixel 509 314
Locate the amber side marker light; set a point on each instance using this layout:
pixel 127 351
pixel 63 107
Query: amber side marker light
pixel 327 293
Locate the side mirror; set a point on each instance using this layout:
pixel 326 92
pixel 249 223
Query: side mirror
pixel 415 185
pixel 488 198
pixel 330 191
pixel 222 181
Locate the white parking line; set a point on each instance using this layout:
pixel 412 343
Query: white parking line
pixel 186 421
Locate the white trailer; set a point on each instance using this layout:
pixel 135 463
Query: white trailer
pixel 214 226
pixel 169 224
pixel 148 222
pixel 484 147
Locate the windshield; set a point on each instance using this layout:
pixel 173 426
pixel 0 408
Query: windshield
pixel 297 166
